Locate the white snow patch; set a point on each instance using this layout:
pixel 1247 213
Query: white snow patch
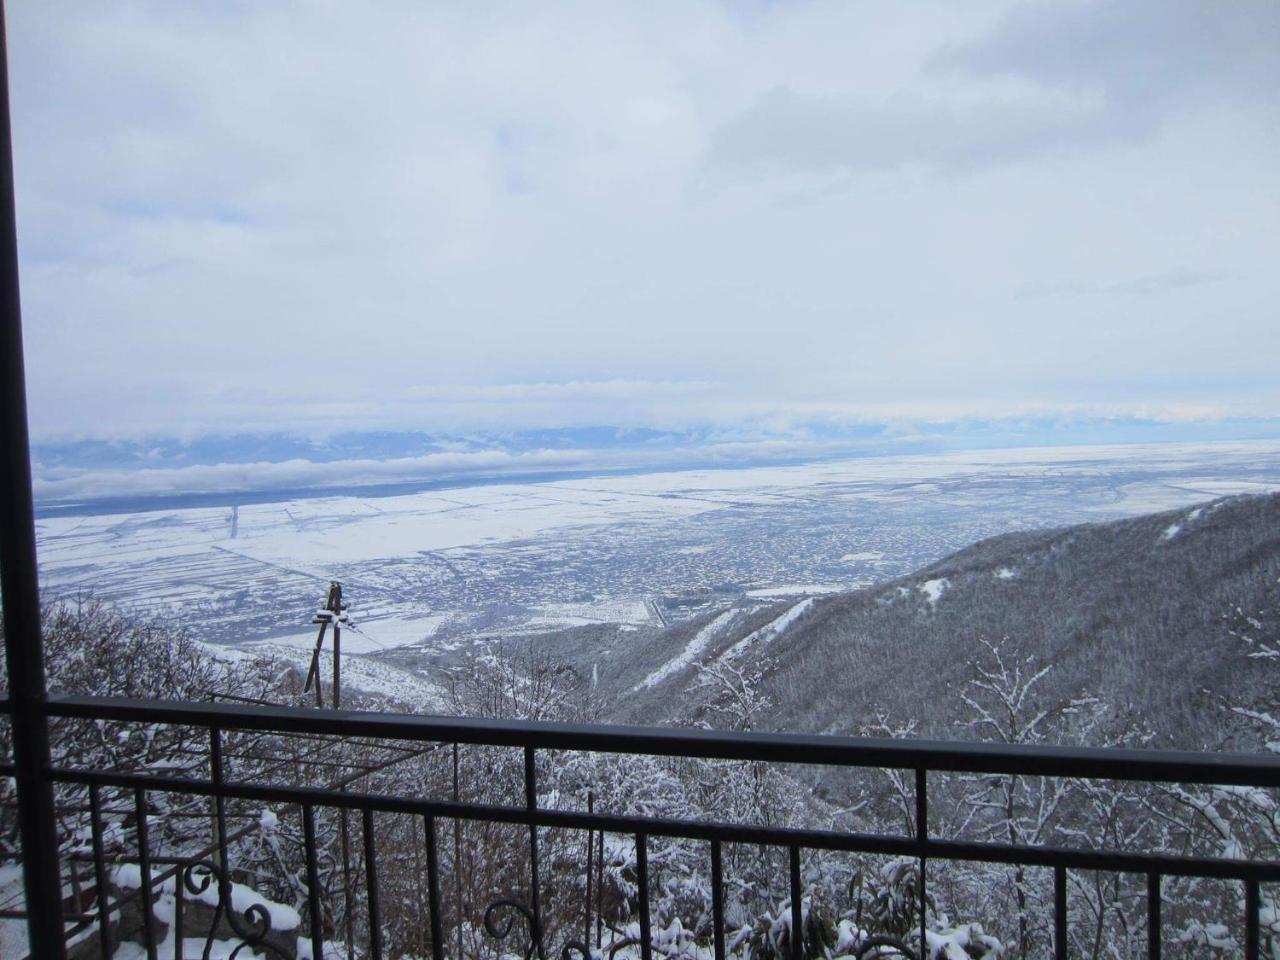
pixel 368 634
pixel 1175 528
pixel 332 951
pixel 283 917
pixel 797 589
pixel 605 610
pixel 954 943
pixel 1005 573
pixel 769 631
pixel 191 947
pixel 933 589
pixel 364 673
pixel 690 653
pixel 128 876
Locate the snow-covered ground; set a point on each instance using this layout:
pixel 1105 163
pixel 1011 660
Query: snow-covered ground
pixel 370 634
pixel 801 589
pixel 629 611
pixel 510 559
pixel 362 673
pixel 774 628
pixel 691 653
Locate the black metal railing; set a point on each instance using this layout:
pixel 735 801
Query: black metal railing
pixel 533 739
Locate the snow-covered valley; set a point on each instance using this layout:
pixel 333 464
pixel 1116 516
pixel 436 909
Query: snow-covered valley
pixel 429 574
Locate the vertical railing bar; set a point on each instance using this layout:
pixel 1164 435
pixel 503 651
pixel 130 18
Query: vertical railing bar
pixel 1252 937
pixel 457 853
pixel 717 899
pixel 922 805
pixel 642 882
pixel 797 907
pixel 371 880
pixel 433 890
pixel 179 908
pixel 100 871
pixel 1060 913
pixel 144 871
pixel 418 927
pixel 600 889
pixel 924 907
pixel 586 929
pixel 77 895
pixel 1153 916
pixel 217 773
pixel 922 838
pixel 348 913
pixel 531 804
pixel 313 879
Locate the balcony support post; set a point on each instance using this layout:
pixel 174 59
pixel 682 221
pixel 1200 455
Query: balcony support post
pixel 24 652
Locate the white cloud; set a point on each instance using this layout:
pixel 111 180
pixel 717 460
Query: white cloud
pixel 326 216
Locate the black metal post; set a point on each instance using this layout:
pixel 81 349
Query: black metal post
pixel 642 885
pixel 179 908
pixel 457 856
pixel 1060 913
pixel 144 872
pixel 348 895
pixel 1153 916
pixel 797 908
pixel 313 880
pixel 1252 940
pixel 531 804
pixel 717 899
pixel 433 892
pixel 600 890
pixel 100 874
pixel 24 651
pixel 591 847
pixel 922 837
pixel 371 886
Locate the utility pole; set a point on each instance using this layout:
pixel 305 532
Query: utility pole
pixel 334 613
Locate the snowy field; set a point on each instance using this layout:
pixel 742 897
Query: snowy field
pixel 442 567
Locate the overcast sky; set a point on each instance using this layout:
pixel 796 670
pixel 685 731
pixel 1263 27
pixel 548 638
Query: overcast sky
pixel 326 215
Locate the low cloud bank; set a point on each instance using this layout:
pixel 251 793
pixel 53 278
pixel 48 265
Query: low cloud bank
pixel 301 474
pixel 78 472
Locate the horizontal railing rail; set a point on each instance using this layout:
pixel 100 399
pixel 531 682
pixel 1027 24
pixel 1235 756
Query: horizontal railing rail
pixel 1102 763
pixel 833 840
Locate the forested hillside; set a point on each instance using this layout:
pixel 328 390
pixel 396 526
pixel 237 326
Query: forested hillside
pixel 1152 616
